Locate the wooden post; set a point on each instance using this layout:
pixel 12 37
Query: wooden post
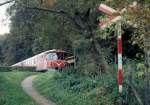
pixel 129 82
pixel 131 86
pixel 147 73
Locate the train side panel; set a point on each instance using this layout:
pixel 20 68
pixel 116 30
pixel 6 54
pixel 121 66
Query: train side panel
pixel 41 63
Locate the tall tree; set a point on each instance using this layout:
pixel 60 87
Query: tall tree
pixel 83 16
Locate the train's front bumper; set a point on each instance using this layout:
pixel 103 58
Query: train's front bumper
pixel 56 64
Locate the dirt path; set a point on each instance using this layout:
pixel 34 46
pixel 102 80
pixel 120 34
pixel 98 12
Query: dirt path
pixel 27 85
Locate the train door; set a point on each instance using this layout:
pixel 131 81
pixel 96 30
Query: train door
pixel 41 62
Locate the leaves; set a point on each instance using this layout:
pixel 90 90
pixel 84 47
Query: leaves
pixel 48 3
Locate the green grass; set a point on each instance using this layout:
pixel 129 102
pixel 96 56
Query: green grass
pixel 11 92
pixel 55 92
pixel 74 89
pixel 71 88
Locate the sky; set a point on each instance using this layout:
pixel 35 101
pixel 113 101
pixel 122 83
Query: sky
pixel 4 18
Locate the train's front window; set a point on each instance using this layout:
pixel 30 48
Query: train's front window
pixel 60 56
pixel 52 56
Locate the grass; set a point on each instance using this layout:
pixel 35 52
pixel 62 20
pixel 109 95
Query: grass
pixel 71 88
pixel 11 92
pixel 74 89
pixel 55 92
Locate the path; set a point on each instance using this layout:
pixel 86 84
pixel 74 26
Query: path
pixel 27 85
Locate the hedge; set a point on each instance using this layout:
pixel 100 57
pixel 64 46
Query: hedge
pixel 9 69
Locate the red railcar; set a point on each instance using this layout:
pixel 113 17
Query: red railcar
pixel 51 59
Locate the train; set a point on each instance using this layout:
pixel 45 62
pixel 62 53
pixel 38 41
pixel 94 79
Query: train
pixel 51 59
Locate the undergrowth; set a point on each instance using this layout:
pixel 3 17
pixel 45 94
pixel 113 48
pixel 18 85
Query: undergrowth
pixel 71 88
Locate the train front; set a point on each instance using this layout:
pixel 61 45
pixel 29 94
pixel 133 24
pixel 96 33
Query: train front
pixel 56 60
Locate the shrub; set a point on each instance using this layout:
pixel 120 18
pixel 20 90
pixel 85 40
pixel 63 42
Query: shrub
pixel 5 69
pixel 9 69
pixel 31 69
pixel 88 60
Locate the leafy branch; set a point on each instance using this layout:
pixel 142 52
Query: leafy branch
pixel 77 19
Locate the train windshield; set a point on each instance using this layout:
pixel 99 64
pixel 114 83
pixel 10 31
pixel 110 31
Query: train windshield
pixel 60 56
pixel 52 56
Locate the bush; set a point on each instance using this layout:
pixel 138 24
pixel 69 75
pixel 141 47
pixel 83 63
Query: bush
pixel 88 60
pixel 71 88
pixel 5 69
pixel 31 69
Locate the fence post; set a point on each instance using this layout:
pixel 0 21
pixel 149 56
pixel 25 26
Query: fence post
pixel 131 86
pixel 129 82
pixel 147 72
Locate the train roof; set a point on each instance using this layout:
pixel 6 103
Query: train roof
pixel 54 51
pixel 46 52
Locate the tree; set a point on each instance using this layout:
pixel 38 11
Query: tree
pixel 81 14
pixel 2 39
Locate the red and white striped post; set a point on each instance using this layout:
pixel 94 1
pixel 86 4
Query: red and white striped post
pixel 114 19
pixel 119 44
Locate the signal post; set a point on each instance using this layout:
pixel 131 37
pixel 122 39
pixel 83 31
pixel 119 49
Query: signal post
pixel 103 24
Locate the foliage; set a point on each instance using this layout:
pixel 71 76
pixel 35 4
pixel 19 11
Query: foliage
pixel 2 38
pixel 71 88
pixel 101 90
pixel 11 92
pixel 21 69
pixel 136 17
pixel 136 74
pixel 88 60
pixel 5 69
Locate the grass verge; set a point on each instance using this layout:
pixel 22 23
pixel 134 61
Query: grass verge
pixel 72 88
pixel 68 88
pixel 11 92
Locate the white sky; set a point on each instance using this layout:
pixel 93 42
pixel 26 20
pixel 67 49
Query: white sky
pixel 4 18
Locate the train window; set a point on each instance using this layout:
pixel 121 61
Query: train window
pixel 60 56
pixel 52 56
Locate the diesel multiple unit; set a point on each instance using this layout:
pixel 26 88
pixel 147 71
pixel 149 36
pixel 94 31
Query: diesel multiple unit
pixel 51 59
